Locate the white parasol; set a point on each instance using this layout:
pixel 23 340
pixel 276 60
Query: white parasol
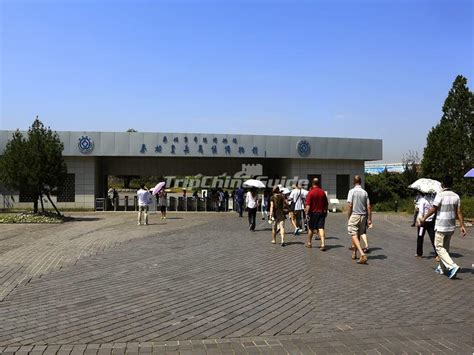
pixel 254 183
pixel 426 186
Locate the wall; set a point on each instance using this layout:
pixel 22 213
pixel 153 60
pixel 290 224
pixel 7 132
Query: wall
pixel 85 172
pixel 328 169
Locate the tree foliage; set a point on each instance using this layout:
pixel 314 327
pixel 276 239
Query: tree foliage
pixel 34 164
pixel 390 188
pixel 450 144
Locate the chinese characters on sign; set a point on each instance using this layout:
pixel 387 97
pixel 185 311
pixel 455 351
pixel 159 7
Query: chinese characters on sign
pixel 199 148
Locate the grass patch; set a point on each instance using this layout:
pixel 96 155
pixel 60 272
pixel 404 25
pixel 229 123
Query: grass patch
pixel 30 217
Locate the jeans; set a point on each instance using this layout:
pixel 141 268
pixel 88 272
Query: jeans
pixel 252 217
pixel 240 207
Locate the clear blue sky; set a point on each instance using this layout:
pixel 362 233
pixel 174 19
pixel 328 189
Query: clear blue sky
pixel 369 69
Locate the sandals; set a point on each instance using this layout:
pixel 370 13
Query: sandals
pixel 362 260
pixel 322 248
pixel 354 254
pixel 366 250
pixel 308 245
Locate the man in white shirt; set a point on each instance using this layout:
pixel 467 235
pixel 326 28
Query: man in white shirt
pixel 447 206
pixel 296 200
pixel 144 198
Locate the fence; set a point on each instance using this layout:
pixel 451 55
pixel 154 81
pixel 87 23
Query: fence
pixel 190 204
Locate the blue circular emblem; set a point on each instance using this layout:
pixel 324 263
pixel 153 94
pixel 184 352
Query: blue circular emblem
pixel 303 147
pixel 86 145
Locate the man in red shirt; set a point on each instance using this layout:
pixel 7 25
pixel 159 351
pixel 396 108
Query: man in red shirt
pixel 316 210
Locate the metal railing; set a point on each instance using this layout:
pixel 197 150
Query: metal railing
pixel 189 204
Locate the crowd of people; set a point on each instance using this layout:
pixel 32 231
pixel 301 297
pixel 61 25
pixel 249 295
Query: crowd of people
pixel 307 210
pixel 435 214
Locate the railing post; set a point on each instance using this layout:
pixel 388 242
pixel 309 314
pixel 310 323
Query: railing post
pixel 126 203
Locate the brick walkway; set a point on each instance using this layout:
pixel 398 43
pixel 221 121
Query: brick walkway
pixel 203 283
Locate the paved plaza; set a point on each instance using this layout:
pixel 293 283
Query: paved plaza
pixel 201 283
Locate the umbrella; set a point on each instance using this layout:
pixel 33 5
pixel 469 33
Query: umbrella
pixel 158 187
pixel 470 173
pixel 254 183
pixel 426 186
pixel 285 191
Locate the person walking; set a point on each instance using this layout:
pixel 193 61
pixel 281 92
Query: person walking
pixel 251 200
pixel 239 200
pixel 447 206
pixel 220 200
pixel 264 204
pixel 277 215
pixel 296 208
pixel 425 203
pixel 163 202
pixel 316 211
pixel 416 211
pixel 359 217
pixel 144 197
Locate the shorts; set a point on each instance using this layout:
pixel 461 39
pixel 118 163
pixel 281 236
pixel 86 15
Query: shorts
pixel 317 220
pixel 143 208
pixel 357 224
pixel 163 208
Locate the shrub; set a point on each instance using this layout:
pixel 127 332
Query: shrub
pixel 467 206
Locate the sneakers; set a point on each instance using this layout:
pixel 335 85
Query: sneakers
pixel 297 231
pixel 439 270
pixel 453 271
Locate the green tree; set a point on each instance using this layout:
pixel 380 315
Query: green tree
pixel 450 147
pixel 35 164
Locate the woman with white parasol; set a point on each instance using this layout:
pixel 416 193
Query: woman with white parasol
pixel 428 188
pixel 251 200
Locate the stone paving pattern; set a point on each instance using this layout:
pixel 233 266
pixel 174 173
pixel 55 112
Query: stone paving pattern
pixel 203 283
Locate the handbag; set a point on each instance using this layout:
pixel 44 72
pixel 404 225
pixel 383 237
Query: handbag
pixel 293 203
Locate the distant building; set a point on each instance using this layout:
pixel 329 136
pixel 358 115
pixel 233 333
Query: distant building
pixel 377 168
pixel 92 156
